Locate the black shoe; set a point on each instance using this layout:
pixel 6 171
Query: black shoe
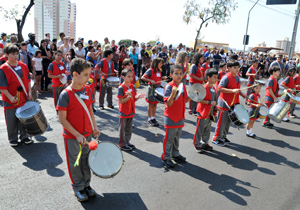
pixel 218 142
pixel 207 147
pixel 81 195
pixel 126 148
pixel 168 163
pixel 226 141
pixel 102 107
pixel 251 135
pixel 13 143
pixel 155 122
pixel 89 191
pixel 267 125
pixel 111 106
pixel 179 159
pixel 151 123
pixel 27 141
pixel 199 149
pixel 132 146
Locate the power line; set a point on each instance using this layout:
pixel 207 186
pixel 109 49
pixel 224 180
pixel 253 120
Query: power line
pixel 274 10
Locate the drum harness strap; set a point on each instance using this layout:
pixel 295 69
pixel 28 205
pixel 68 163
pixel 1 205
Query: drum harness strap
pixel 90 118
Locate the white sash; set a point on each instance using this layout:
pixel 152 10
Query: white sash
pixel 20 80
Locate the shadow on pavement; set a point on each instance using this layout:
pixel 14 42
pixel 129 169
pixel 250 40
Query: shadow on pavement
pixel 153 160
pixel 236 162
pixel 222 184
pixel 278 143
pixel 270 157
pixel 41 156
pixel 115 201
pixel 287 132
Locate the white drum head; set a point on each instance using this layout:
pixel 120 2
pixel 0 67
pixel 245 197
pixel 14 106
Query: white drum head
pixel 29 109
pixel 63 80
pixel 32 83
pixel 163 83
pixel 160 91
pixel 106 161
pixel 263 111
pixel 113 79
pixel 241 113
pixel 279 82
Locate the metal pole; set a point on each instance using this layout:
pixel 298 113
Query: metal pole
pixel 292 48
pixel 248 24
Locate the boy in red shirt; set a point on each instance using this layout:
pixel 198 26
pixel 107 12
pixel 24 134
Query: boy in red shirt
pixel 251 73
pixel 56 69
pixel 271 92
pixel 13 93
pixel 206 110
pixel 127 98
pixel 78 126
pixel 205 66
pixel 174 116
pixel 221 74
pixel 297 85
pixel 229 88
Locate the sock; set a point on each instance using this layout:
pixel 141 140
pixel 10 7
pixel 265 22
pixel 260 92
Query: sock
pixel 248 131
pixel 149 118
pixel 152 118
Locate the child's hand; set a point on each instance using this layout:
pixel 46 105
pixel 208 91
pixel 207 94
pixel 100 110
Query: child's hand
pixel 214 103
pixel 174 90
pixel 60 76
pixel 96 133
pixel 235 91
pixel 218 109
pixel 141 95
pixel 129 94
pixel 13 99
pixel 258 105
pixel 152 82
pixel 81 139
pixel 29 96
pixel 68 73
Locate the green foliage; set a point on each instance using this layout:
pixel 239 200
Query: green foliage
pixel 13 13
pixel 127 42
pixel 152 42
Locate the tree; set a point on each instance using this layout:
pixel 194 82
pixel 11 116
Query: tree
pixel 127 42
pixel 153 43
pixel 20 18
pixel 218 11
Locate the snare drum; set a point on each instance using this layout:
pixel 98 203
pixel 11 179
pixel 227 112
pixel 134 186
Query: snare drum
pixel 279 110
pixel 63 80
pixel 295 99
pixel 32 118
pixel 158 94
pixel 239 115
pixel 33 91
pixel 263 112
pixel 106 161
pixel 112 82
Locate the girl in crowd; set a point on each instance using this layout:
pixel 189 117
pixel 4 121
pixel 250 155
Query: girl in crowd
pixel 182 59
pixel 91 54
pixel 123 55
pixel 38 68
pixel 79 51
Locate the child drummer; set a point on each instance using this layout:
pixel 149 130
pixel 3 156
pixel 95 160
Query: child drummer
pixel 13 93
pixel 174 117
pixel 206 110
pixel 297 85
pixel 251 73
pixel 229 88
pixel 127 97
pixel 78 126
pixel 271 92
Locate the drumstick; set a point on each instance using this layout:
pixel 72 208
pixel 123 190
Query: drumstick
pixel 249 87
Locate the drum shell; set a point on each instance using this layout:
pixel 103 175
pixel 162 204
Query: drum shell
pixel 33 91
pixel 279 110
pixel 112 82
pixel 36 124
pixel 112 164
pixel 261 114
pixel 235 118
pixel 158 94
pixel 295 99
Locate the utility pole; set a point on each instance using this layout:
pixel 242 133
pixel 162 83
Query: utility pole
pixel 292 48
pixel 245 37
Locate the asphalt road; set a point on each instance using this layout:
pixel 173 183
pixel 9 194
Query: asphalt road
pixel 260 173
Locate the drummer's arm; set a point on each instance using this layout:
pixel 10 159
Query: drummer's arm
pixel 9 96
pixel 249 74
pixel 96 132
pixel 171 98
pixel 148 80
pixel 50 75
pixel 272 93
pixel 197 78
pixel 226 90
pixel 188 99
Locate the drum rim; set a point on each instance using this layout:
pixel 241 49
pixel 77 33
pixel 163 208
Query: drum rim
pixel 264 107
pixel 237 116
pixel 114 174
pixel 30 115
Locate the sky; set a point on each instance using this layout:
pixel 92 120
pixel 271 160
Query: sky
pixel 146 20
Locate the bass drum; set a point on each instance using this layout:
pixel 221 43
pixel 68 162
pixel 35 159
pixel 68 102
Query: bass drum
pixel 106 161
pixel 32 118
pixel 279 110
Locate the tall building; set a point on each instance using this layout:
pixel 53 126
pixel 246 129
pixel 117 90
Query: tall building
pixel 283 44
pixel 263 44
pixel 73 21
pixel 54 16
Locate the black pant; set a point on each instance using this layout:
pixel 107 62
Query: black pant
pixel 45 76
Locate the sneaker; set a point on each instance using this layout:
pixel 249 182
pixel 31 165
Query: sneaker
pixel 267 125
pixel 111 106
pixel 151 123
pixel 207 147
pixel 251 135
pixel 126 148
pixel 102 107
pixel 218 142
pixel 81 195
pixel 13 143
pixel 199 149
pixel 132 146
pixel 168 163
pixel 89 191
pixel 179 159
pixel 27 141
pixel 292 115
pixel 155 122
pixel 285 120
pixel 226 141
